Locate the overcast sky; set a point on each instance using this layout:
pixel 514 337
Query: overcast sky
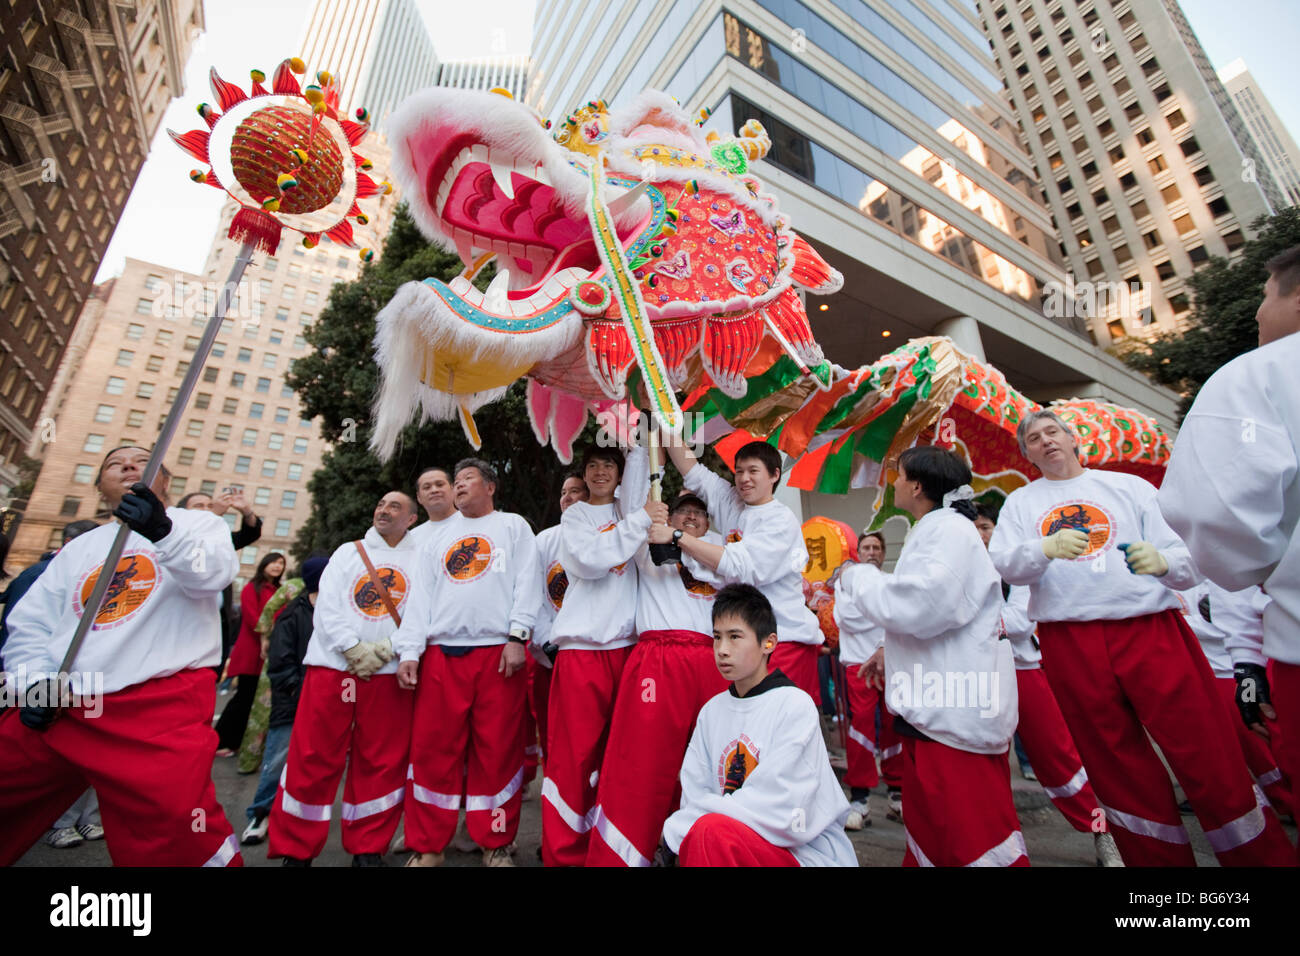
pixel 171 221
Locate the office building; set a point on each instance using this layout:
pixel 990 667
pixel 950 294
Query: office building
pixel 1278 147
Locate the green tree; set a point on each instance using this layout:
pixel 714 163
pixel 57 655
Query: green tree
pixel 1225 296
pixel 337 382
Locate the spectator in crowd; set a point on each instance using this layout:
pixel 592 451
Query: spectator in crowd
pixel 26 578
pixel 246 658
pixel 289 638
pixel 249 530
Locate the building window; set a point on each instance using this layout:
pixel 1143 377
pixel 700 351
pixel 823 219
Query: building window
pixel 295 472
pixel 275 441
pixel 202 400
pixel 177 487
pixel 1220 207
pixel 216 459
pixel 282 314
pixel 237 379
pixel 269 467
pixel 1234 239
pixel 1116 153
pixel 300 446
pixel 277 337
pixel 264 286
pixel 255 410
pixel 310 298
pixel 93 443
pixel 248 555
pixel 104 413
pixel 186 456
pixel 125 357
pixel 191 343
pixel 208 487
pixel 286 391
pixel 262 496
pixel 244 355
pixel 1145 137
pixel 263 385
pixel 1140 210
pixel 144 306
pixel 222 433
pixel 162 337
pixel 270 360
pixel 288 291
pixel 135 418
pixel 134 331
pixel 70 507
pixel 83 474
pixel 1203 176
pixel 242 464
pixel 281 415
pixel 299 342
pixel 1198 255
pixel 115 386
pixel 1165 270
pixel 1157 164
pixel 144 390
pixel 1122 253
pixel 249 437
pixel 1180 304
pixel 288 499
pixel 194 427
pixel 1151 239
pixel 1170 193
pixel 210 374
pixel 282 526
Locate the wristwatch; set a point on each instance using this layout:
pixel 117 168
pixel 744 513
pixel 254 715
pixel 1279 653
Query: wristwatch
pixel 677 537
pixel 520 634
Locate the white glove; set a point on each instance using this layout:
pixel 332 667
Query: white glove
pixel 383 650
pixel 362 660
pixel 1143 558
pixel 1066 543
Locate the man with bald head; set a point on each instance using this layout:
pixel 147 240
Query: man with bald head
pixel 351 711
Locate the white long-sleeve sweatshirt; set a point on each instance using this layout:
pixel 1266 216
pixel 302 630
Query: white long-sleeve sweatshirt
pixel 760 759
pixel 160 616
pixel 1020 630
pixel 946 671
pixel 860 636
pixel 1117 508
pixel 476 579
pixel 597 550
pixel 675 597
pixel 1240 615
pixel 764 547
pixel 349 608
pixel 1208 632
pixel 1232 490
pixel 554 584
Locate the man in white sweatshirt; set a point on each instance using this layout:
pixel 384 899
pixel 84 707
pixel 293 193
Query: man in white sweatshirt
pixel 757 784
pixel 139 725
pixel 1233 493
pixel 462 647
pixel 351 712
pixel 593 633
pixel 763 546
pixel 948 676
pixel 1102 565
pixel 434 493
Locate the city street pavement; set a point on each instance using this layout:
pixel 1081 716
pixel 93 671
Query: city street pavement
pixel 1049 839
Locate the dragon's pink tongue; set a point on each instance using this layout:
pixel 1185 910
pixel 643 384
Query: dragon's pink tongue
pixel 534 216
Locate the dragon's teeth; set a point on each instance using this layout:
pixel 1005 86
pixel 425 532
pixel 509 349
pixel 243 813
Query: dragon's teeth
pixel 502 176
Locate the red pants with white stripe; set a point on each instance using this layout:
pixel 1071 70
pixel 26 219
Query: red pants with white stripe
pixel 799 663
pixel 1285 684
pixel 959 808
pixel 149 757
pixel 668 678
pixel 539 691
pixel 719 840
pixel 584 687
pixel 343 721
pixel 1260 758
pixel 468 737
pixel 1052 753
pixel 1117 681
pixel 864 703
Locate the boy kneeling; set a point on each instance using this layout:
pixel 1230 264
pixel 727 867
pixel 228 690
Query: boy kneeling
pixel 757 786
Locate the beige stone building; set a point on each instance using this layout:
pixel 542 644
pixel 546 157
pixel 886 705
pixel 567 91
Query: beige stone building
pixel 243 424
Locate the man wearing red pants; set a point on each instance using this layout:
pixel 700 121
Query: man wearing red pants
pixel 138 727
pixel 1233 493
pixel 351 712
pixel 594 632
pixel 668 678
pixel 764 547
pixel 463 647
pixel 1100 562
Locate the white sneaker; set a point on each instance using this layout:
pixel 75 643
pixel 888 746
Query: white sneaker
pixel 64 837
pixel 255 832
pixel 895 811
pixel 859 816
pixel 424 859
pixel 90 831
pixel 1107 851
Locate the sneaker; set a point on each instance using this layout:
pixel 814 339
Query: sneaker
pixel 859 815
pixel 1107 851
pixel 425 859
pixel 91 831
pixel 294 861
pixel 398 843
pixel 895 811
pixel 64 837
pixel 1027 772
pixel 498 856
pixel 367 859
pixel 255 832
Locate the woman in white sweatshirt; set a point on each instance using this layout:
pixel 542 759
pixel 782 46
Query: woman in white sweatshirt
pixel 948 674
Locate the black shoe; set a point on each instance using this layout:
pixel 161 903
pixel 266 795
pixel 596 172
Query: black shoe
pixel 294 861
pixel 368 859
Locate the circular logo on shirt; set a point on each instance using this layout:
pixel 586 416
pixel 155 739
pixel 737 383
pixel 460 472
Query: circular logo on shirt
pixel 366 598
pixel 468 559
pixel 557 582
pixel 694 586
pixel 134 580
pixel 1085 516
pixel 739 759
pixel 622 567
pixel 733 536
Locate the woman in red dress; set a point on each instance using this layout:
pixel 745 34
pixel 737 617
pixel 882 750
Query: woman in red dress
pixel 246 656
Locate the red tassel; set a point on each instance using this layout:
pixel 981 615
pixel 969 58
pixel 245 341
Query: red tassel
pixel 355 132
pixel 283 81
pixel 366 186
pixel 227 94
pixel 788 315
pixel 355 210
pixel 253 225
pixel 212 180
pixel 257 90
pixel 342 234
pixel 676 341
pixel 810 270
pixel 195 142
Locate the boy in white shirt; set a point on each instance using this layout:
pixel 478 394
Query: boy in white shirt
pixel 1102 566
pixel 757 785
pixel 763 546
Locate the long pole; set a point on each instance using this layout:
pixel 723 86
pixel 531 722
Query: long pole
pixel 96 599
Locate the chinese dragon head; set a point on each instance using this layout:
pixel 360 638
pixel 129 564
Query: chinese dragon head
pixel 632 251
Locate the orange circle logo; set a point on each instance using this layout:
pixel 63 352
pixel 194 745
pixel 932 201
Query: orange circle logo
pixel 733 536
pixel 1086 516
pixel 694 585
pixel 468 558
pixel 133 581
pixel 366 598
pixel 557 582
pixel 738 762
pixel 622 567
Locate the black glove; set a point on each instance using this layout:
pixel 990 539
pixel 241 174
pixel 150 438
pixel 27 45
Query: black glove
pixel 1252 690
pixel 142 512
pixel 39 716
pixel 550 650
pixel 664 856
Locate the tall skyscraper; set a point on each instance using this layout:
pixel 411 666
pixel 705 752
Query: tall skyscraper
pixel 379 51
pixel 894 151
pixel 1141 148
pixel 83 87
pixel 1278 147
pixel 485 73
